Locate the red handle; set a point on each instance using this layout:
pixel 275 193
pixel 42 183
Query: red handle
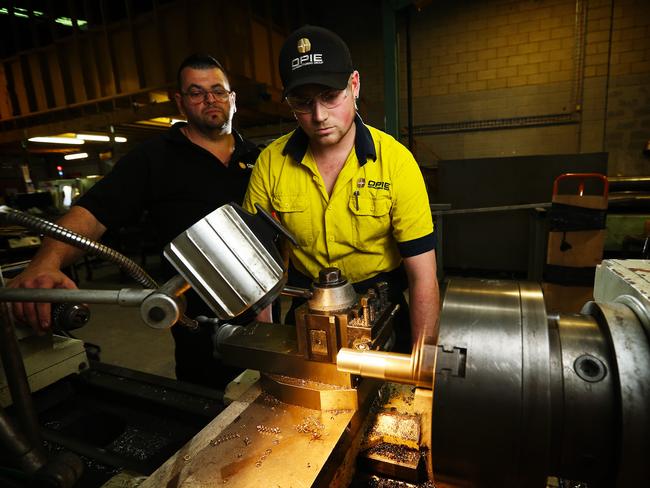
pixel 582 177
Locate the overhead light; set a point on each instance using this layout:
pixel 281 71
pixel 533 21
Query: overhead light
pixel 100 138
pixel 93 137
pixel 57 140
pixel 75 156
pixel 24 13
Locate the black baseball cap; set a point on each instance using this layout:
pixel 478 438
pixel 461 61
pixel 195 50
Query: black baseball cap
pixel 316 55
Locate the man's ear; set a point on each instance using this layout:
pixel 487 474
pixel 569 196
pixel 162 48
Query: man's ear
pixel 178 98
pixel 356 84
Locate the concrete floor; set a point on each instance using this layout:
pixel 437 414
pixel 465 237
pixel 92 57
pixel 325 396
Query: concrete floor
pixel 120 333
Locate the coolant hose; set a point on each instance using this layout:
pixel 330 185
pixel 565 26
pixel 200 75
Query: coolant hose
pixel 62 234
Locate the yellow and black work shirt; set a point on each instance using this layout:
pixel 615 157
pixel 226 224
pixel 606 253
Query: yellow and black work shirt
pixel 362 234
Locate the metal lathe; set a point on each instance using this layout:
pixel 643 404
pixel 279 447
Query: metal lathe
pixel 510 396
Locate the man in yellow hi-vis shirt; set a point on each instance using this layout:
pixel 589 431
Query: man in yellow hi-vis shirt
pixel 353 196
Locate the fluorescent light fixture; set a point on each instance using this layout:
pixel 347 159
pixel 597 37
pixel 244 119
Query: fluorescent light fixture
pixel 75 156
pixel 83 25
pixel 100 138
pixel 57 140
pixel 93 137
pixel 24 13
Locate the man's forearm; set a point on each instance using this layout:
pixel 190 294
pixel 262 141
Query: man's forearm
pixel 424 295
pixel 56 254
pixel 424 303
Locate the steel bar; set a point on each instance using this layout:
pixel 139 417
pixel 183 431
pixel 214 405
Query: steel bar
pixel 16 376
pixel 126 297
pixel 13 442
pixel 501 208
pixel 294 291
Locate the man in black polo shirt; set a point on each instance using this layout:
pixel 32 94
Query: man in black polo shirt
pixel 177 178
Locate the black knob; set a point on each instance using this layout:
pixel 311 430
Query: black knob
pixel 329 276
pixel 70 316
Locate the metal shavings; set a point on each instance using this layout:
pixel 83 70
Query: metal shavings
pixel 218 440
pixel 276 441
pixel 262 458
pixel 338 412
pixel 270 400
pixel 396 452
pixel 263 429
pixel 187 457
pixel 137 443
pixel 247 441
pixel 311 426
pixel 378 482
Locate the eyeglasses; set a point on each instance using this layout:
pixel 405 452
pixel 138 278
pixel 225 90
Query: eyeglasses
pixel 198 95
pixel 328 99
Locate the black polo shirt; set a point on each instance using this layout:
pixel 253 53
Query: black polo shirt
pixel 175 181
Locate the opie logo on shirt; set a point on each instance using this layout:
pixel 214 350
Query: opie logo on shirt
pixel 379 185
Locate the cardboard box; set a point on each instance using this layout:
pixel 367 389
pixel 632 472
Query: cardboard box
pixel 578 249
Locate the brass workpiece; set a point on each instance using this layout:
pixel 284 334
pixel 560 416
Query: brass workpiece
pixel 416 368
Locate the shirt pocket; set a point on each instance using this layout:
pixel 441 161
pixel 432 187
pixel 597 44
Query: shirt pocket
pixel 294 214
pixel 371 219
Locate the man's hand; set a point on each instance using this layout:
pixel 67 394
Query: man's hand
pixel 38 315
pixel 265 315
pixel 45 269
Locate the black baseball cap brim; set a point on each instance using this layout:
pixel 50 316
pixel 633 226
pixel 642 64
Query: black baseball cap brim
pixel 337 81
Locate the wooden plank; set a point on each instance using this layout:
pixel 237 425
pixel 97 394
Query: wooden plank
pixel 37 81
pixel 162 42
pixel 261 57
pixel 123 50
pixel 74 70
pixel 77 40
pixel 5 100
pixel 110 59
pixel 153 65
pixel 135 47
pixel 106 78
pixel 19 86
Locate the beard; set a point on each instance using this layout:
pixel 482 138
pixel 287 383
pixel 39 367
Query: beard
pixel 213 118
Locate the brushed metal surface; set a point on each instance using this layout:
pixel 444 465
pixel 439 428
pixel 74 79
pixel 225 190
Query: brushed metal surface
pixel 227 265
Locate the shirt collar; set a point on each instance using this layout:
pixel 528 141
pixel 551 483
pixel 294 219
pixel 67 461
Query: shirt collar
pixel 241 144
pixel 296 146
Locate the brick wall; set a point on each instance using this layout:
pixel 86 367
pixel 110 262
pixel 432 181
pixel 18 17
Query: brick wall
pixel 581 80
